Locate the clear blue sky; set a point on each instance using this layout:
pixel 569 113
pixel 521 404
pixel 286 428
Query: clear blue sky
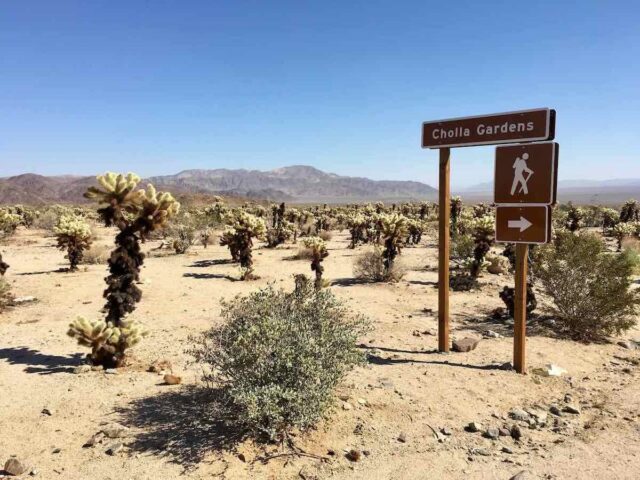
pixel 161 86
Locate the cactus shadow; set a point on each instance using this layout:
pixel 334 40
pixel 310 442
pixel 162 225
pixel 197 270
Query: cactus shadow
pixel 211 263
pixel 209 276
pixel 186 425
pixel 40 363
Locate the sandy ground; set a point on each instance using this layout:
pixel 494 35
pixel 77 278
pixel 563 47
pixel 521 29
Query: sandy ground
pixel 407 390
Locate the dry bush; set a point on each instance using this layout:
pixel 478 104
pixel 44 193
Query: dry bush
pixel 325 235
pixel 96 255
pixel 304 253
pixel 370 266
pixel 5 294
pixel 590 287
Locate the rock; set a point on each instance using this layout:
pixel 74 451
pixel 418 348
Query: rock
pixel 26 299
pixel 94 440
pixel 519 476
pixel 346 406
pixel 56 450
pixel 446 431
pixel 362 402
pixel 114 449
pixel 568 398
pixel 15 467
pixel 242 457
pixel 504 432
pixel 491 433
pixel 115 431
pixel 481 451
pixel 628 344
pixel 354 455
pixel 516 433
pixel 171 379
pixel 506 366
pixel 111 371
pixel 506 450
pixel 47 411
pixel 473 427
pixel 550 370
pixel 359 428
pixel 555 410
pixel 402 437
pixel 366 453
pixel 160 366
pixel 574 409
pixel 465 345
pixel 82 369
pixel 306 473
pixel 491 334
pixel 519 414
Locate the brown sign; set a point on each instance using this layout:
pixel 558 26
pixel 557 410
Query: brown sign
pixel 512 127
pixel 526 224
pixel 526 174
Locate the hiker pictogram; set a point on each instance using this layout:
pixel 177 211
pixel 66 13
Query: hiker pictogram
pixel 520 168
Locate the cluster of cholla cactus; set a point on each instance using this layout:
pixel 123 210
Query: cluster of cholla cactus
pixel 242 228
pixel 319 252
pixel 393 228
pixel 454 215
pixel 623 230
pixel 74 236
pixel 136 213
pixel 630 212
pixel 573 221
pixel 415 228
pixel 9 222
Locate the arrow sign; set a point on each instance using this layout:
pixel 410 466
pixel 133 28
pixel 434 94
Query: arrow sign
pixel 526 224
pixel 522 224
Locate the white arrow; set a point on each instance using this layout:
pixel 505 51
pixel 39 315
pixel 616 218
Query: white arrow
pixel 522 224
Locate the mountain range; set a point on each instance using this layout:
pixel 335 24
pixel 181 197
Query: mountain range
pixel 297 183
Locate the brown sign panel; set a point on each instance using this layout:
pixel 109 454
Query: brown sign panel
pixel 526 174
pixel 513 127
pixel 527 224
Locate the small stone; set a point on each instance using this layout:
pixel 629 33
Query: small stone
pixel 160 366
pixel 550 370
pixel 366 453
pixel 571 409
pixel 519 414
pixel 402 437
pixel 481 451
pixel 25 299
pixel 111 371
pixel 56 450
pixel 629 345
pixel 504 432
pixel 446 431
pixel 491 433
pixel 82 369
pixel 362 402
pixel 465 345
pixel 97 368
pixel 171 379
pixel 114 449
pixel 491 334
pixel 555 410
pixel 15 467
pixel 473 427
pixel 94 440
pixel 47 411
pixel 568 398
pixel 242 457
pixel 516 433
pixel 115 431
pixel 354 455
pixel 346 406
pixel 519 476
pixel 331 452
pixel 359 428
pixel 506 450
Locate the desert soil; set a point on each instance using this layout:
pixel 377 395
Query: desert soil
pixel 392 410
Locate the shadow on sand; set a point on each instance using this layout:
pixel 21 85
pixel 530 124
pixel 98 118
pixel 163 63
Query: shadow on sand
pixel 186 425
pixel 38 362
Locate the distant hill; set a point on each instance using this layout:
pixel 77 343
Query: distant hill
pixel 296 183
pixel 605 192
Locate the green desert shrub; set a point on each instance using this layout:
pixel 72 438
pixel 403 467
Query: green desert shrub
pixel 279 356
pixel 589 286
pixel 9 222
pixel 462 247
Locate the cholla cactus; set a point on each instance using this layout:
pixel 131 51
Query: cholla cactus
pixel 106 340
pixel 574 218
pixel 357 224
pixel 393 228
pixel 456 210
pixel 483 232
pixel 244 228
pixel 622 231
pixel 415 230
pixel 73 234
pixel 205 236
pixel 319 252
pixel 9 222
pixel 3 266
pixel 630 211
pixel 610 218
pixel 136 213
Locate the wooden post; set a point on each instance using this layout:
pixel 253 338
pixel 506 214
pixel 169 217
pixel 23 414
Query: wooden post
pixel 444 209
pixel 520 313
